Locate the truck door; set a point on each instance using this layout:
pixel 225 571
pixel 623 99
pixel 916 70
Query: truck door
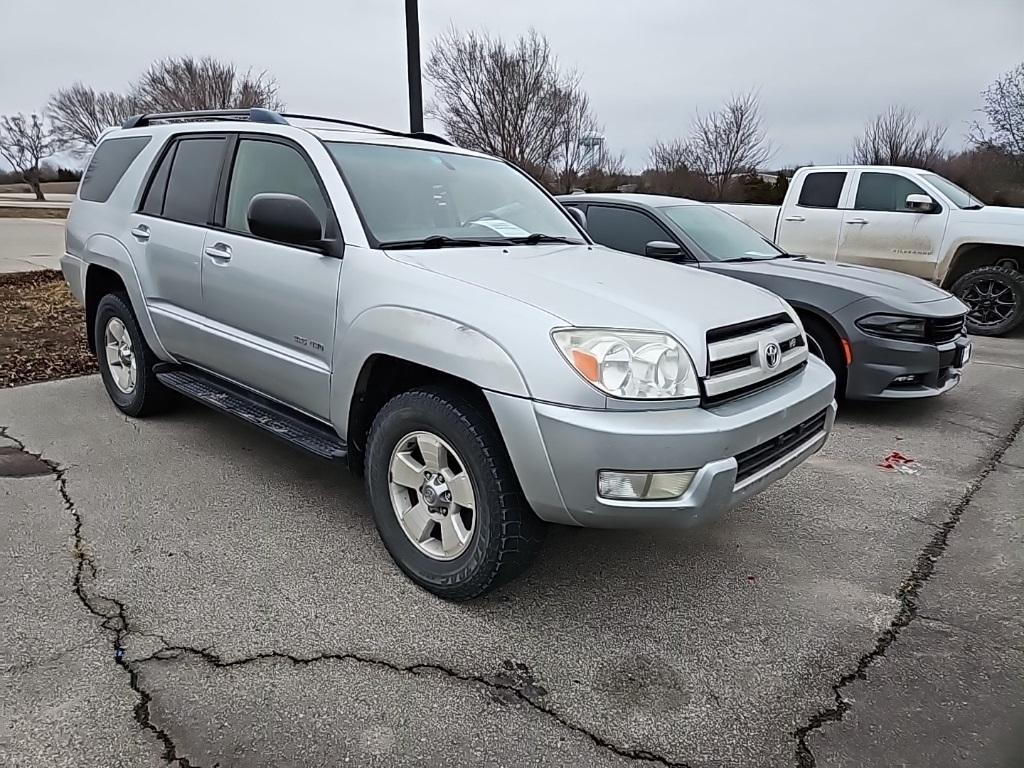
pixel 811 225
pixel 880 231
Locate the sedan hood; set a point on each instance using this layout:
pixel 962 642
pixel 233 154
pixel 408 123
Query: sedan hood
pixel 585 285
pixel 855 280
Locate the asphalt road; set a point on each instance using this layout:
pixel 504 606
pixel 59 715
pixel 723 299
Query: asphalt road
pixel 184 588
pixel 30 244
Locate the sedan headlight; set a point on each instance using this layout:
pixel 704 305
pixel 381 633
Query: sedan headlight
pixel 894 326
pixel 629 364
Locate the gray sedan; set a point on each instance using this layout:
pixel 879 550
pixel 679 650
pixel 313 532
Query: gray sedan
pixel 884 334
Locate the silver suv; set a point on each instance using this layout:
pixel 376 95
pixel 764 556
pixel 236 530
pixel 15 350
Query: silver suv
pixel 432 317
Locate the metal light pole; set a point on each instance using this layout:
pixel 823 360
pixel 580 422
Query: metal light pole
pixel 412 40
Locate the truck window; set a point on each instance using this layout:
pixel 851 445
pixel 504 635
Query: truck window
pixel 192 185
pixel 109 162
pixel 822 189
pixel 624 230
pixel 884 192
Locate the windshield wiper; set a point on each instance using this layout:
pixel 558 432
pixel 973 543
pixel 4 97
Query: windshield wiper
pixel 537 237
pixel 443 241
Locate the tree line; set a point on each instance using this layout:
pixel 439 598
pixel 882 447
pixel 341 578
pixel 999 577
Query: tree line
pixel 516 100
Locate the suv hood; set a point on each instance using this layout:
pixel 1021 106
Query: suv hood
pixel 883 284
pixel 586 285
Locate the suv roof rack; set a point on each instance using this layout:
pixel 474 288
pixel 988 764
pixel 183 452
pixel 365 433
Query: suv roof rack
pixel 259 115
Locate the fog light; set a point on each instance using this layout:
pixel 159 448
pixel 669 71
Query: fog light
pixel 642 486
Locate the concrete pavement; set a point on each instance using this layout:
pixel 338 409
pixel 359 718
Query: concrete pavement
pixel 185 588
pixel 27 244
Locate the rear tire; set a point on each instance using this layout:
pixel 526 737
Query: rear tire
pixel 504 533
pixel 125 360
pixel 996 298
pixel 822 342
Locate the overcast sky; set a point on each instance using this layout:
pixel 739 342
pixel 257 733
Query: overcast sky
pixel 821 66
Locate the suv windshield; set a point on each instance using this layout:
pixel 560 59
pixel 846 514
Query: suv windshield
pixel 721 236
pixel 960 197
pixel 415 197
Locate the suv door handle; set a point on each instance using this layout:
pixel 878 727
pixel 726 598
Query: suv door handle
pixel 141 233
pixel 856 221
pixel 795 218
pixel 219 251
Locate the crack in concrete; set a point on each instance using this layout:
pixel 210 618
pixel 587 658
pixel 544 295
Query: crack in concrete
pixel 114 619
pixel 907 594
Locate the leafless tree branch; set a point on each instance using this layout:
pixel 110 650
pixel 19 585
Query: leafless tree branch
pixel 897 137
pixel 1004 113
pixel 25 141
pixel 187 83
pixel 79 115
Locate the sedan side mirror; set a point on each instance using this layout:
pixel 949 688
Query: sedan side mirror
pixel 284 219
pixel 920 203
pixel 662 249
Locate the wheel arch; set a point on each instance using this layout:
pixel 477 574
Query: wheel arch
pixel 969 256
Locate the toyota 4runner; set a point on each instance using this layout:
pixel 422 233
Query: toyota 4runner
pixel 432 317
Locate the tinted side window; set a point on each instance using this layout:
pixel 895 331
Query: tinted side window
pixel 109 162
pixel 822 189
pixel 624 230
pixel 154 201
pixel 192 184
pixel 884 192
pixel 269 166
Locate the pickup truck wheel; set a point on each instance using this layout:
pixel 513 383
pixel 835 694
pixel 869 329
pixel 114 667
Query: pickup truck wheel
pixel 995 296
pixel 445 498
pixel 125 360
pixel 823 343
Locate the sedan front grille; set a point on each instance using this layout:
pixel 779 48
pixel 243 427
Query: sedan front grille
pixel 943 329
pixel 750 462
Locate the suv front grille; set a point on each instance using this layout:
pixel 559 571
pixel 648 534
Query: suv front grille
pixel 943 329
pixel 750 462
pixel 737 359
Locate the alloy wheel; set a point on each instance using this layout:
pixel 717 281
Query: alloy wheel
pixel 432 495
pixel 121 360
pixel 991 301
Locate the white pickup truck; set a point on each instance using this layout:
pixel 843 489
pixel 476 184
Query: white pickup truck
pixel 908 220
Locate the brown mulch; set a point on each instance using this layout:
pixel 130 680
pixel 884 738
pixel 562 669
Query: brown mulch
pixel 42 329
pixel 18 212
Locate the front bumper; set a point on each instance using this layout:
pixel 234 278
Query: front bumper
pixel 877 362
pixel 558 451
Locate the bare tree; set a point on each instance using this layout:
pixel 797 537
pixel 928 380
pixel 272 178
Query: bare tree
pixel 187 83
pixel 729 142
pixel 897 137
pixel 669 156
pixel 25 141
pixel 513 101
pixel 79 114
pixel 1004 111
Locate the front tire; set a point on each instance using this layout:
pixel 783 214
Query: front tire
pixel 995 296
pixel 823 343
pixel 125 360
pixel 445 498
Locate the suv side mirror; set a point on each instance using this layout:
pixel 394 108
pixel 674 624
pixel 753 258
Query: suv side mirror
pixel 920 203
pixel 662 249
pixel 578 215
pixel 285 219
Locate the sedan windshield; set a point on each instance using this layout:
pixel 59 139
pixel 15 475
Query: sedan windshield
pixel 721 236
pixel 960 197
pixel 416 198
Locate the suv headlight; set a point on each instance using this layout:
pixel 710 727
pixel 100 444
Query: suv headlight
pixel 629 364
pixel 894 326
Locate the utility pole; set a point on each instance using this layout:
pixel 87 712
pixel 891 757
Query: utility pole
pixel 412 41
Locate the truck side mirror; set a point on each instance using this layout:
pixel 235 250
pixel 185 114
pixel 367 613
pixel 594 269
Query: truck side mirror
pixel 577 215
pixel 920 203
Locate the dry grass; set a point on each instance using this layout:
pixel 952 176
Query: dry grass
pixel 17 212
pixel 42 329
pixel 49 187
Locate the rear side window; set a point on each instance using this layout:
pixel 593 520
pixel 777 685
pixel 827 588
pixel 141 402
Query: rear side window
pixel 109 162
pixel 822 189
pixel 884 192
pixel 194 172
pixel 154 202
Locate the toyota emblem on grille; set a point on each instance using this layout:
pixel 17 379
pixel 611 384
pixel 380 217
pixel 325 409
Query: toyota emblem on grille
pixel 772 356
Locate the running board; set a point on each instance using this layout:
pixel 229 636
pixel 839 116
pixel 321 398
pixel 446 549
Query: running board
pixel 277 419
